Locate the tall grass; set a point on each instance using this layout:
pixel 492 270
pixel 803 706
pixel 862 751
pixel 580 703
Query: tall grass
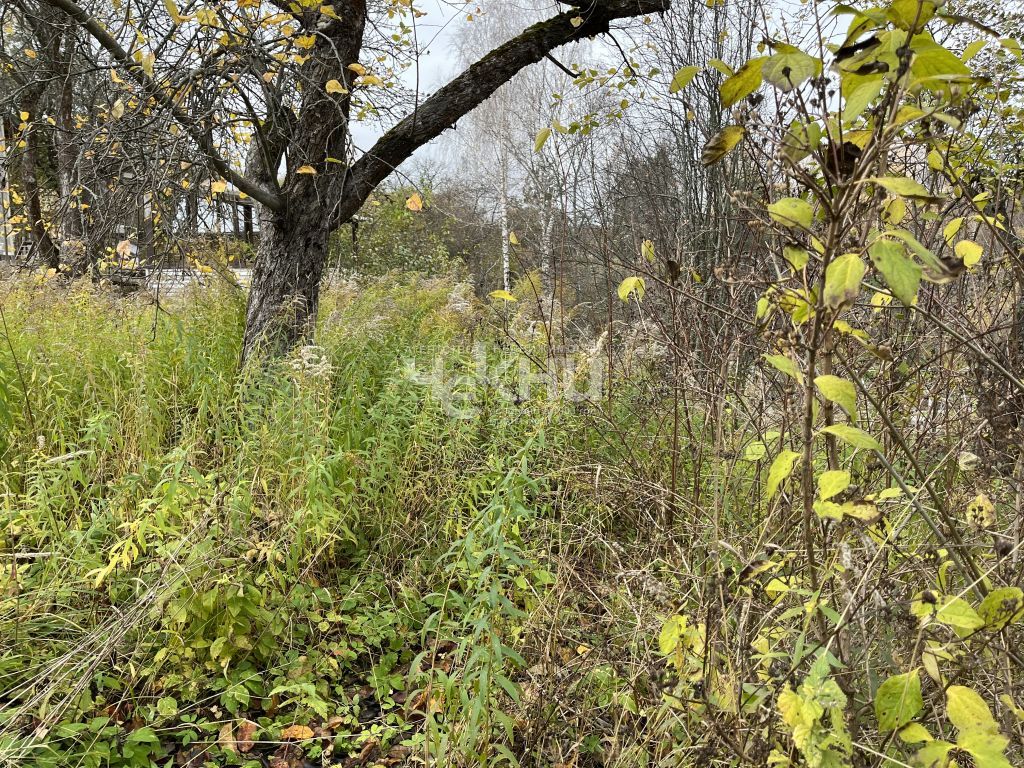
pixel 187 545
pixel 384 548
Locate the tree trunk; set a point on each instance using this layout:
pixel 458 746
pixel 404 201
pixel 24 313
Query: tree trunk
pixel 506 267
pixel 71 225
pixel 46 250
pixel 285 291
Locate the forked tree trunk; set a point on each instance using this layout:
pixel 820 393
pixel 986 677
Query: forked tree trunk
pixel 285 290
pixel 306 208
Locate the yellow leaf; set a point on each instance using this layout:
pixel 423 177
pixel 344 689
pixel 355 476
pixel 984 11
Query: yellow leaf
pixel 218 187
pixel 415 202
pixel 631 285
pixel 25 116
pixel 359 69
pixel 30 53
pixel 207 17
pixel 503 295
pixel 542 136
pixel 172 10
pixel 308 170
pixel 969 252
pixel 117 111
pixel 647 251
pixel 305 41
pixel 335 86
pixel 512 238
pixel 297 732
pixel 576 20
pixel 268 77
pixel 369 80
pixel 722 143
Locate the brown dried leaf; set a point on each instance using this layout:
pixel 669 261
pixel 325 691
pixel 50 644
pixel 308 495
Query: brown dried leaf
pixel 297 732
pixel 243 737
pixel 226 738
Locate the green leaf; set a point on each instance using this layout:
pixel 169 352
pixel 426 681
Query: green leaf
pixel 1012 46
pixel 630 285
pixel 957 612
pixel 755 451
pixel 898 701
pixel 972 49
pixel 167 706
pixel 902 274
pixel 863 92
pixel 542 136
pixel 842 280
pixel 784 364
pixel 932 62
pixel 792 212
pixel 1001 607
pixel 721 144
pixel 934 268
pixel 801 139
pixel 905 187
pixel 743 82
pixel 914 733
pixel 933 754
pixel 721 66
pixel 968 711
pixel 986 749
pixel 797 257
pixel 907 14
pixel 781 468
pixel 839 391
pixel 789 67
pixel 832 483
pixel 682 78
pixel 858 438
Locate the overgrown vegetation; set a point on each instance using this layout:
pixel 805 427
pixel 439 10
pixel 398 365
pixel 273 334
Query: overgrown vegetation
pixel 727 471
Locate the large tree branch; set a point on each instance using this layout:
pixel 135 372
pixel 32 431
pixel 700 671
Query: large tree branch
pixel 474 86
pixel 152 89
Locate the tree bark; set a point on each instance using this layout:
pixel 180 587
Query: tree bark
pixel 506 246
pixel 71 225
pixel 46 250
pixel 284 294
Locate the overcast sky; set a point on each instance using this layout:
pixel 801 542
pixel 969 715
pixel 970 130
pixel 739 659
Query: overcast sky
pixel 437 64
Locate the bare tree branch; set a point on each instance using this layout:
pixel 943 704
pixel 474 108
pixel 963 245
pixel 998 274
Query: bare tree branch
pixel 474 86
pixel 153 89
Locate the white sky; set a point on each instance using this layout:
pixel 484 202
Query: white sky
pixel 437 63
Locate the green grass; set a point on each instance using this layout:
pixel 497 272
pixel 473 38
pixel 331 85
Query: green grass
pixel 381 551
pixel 197 546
